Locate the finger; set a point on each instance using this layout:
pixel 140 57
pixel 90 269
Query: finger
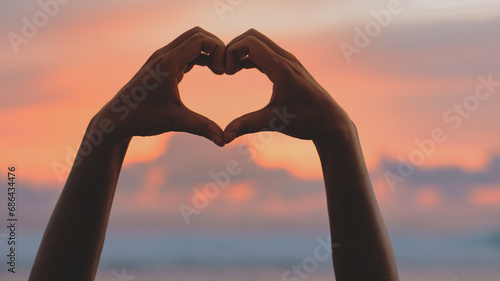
pixel 181 38
pixel 201 60
pixel 204 60
pixel 200 125
pixel 263 38
pixel 200 43
pixel 247 63
pixel 253 122
pixel 258 53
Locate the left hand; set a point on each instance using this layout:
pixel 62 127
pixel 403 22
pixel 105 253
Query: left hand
pixel 150 103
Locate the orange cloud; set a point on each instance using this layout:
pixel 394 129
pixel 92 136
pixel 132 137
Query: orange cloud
pixel 83 62
pixel 150 187
pixel 238 192
pixel 486 196
pixel 428 197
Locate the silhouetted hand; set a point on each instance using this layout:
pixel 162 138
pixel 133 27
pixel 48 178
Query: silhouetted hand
pixel 312 112
pixel 150 103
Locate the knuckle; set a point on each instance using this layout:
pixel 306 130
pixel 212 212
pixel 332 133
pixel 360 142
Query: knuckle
pixel 198 36
pixel 252 31
pixel 293 57
pixel 154 55
pixel 197 29
pixel 250 39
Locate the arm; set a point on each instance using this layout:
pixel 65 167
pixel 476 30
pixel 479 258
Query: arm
pixel 355 221
pixel 73 241
pixel 365 252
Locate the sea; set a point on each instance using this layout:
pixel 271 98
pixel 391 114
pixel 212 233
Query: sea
pixel 268 255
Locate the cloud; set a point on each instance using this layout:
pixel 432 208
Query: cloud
pixel 449 179
pixel 453 48
pixel 191 163
pixel 148 194
pixel 414 66
pixel 446 197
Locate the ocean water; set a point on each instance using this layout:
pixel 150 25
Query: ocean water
pixel 160 255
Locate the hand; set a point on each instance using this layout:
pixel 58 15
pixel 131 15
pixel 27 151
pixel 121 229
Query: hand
pixel 150 103
pixel 313 114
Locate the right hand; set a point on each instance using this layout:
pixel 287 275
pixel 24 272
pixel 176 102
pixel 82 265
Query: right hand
pixel 313 113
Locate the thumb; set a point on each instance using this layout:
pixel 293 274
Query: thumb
pixel 200 125
pixel 253 122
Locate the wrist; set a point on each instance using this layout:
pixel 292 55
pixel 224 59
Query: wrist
pixel 342 160
pixel 103 133
pixel 340 146
pixel 100 148
pixel 337 133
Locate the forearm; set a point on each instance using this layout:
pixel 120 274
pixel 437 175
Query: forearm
pixel 365 251
pixel 73 240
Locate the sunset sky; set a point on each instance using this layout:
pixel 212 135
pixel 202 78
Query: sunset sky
pixel 409 78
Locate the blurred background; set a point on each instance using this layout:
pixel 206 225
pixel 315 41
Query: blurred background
pixel 421 80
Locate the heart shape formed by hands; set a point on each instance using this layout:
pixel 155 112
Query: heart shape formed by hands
pixel 150 103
